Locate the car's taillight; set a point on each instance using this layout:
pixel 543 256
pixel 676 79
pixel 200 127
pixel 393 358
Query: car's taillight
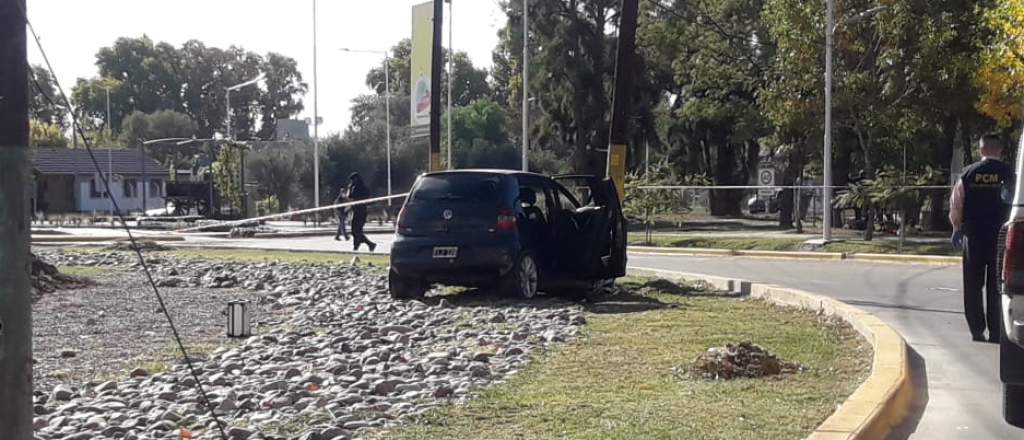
pixel 1013 259
pixel 506 219
pixel 401 217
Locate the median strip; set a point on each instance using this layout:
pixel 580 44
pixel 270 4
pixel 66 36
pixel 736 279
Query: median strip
pixel 881 401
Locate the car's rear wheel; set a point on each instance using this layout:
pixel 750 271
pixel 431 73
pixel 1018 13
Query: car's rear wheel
pixel 521 281
pixel 1013 404
pixel 405 288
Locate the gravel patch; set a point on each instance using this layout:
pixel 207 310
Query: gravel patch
pixel 333 357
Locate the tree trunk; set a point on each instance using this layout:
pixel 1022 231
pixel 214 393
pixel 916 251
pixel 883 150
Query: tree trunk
pixel 869 231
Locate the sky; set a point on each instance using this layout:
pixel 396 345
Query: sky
pixel 72 31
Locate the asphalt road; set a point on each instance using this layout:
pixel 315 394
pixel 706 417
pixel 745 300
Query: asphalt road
pixel 957 390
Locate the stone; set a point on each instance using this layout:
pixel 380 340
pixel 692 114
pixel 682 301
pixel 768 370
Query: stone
pixel 61 392
pixel 138 372
pixel 279 385
pixel 67 354
pixel 106 386
pixel 389 329
pixel 239 433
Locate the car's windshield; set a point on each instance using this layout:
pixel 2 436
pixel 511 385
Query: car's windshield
pixel 467 187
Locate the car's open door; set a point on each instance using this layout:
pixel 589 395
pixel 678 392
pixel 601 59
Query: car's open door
pixel 600 248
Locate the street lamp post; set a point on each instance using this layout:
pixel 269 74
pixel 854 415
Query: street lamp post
pixel 231 136
pixel 387 105
pixel 316 126
pixel 830 30
pixel 526 83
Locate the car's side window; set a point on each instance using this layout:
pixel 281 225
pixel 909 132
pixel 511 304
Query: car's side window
pixel 565 201
pixel 537 197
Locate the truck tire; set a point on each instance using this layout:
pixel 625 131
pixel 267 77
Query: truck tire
pixel 405 288
pixel 1013 404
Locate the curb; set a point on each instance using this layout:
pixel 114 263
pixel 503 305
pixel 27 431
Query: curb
pixel 882 400
pixel 820 256
pixel 101 239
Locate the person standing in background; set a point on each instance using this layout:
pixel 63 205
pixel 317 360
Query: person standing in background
pixel 357 191
pixel 978 209
pixel 342 213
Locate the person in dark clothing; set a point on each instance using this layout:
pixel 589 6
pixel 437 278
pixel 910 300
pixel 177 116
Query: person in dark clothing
pixel 978 209
pixel 357 191
pixel 342 213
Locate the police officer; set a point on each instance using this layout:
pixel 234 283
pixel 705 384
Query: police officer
pixel 357 191
pixel 978 209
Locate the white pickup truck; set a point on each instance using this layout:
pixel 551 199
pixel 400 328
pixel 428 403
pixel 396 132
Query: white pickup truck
pixel 1011 345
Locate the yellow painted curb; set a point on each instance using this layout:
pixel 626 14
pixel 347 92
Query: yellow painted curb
pixel 882 400
pixel 800 255
pixel 682 251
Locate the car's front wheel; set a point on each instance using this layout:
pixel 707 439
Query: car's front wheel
pixel 521 281
pixel 405 288
pixel 1013 404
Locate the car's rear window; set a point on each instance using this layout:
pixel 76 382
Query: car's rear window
pixel 469 187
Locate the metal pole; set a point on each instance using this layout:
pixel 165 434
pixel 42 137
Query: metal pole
pixel 526 84
pixel 387 117
pixel 436 70
pixel 451 73
pixel 145 183
pixel 826 223
pixel 15 293
pixel 316 126
pixel 110 161
pixel 647 158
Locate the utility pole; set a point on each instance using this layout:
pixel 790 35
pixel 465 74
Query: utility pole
pixel 622 101
pixel 451 73
pixel 435 87
pixel 15 294
pixel 526 84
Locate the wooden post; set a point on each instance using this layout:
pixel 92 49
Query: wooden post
pixel 15 294
pixel 622 102
pixel 435 87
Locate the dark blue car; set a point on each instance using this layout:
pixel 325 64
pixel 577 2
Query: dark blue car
pixel 514 231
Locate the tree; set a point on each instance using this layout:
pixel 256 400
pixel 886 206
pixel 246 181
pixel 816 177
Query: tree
pixel 44 102
pixel 646 203
pixel 147 77
pixel 1000 76
pixel 227 177
pixel 479 137
pixel 42 134
pixel 139 127
pixel 276 171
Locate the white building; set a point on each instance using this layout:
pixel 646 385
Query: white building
pixel 66 181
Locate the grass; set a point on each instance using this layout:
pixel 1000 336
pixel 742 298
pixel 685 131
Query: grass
pixel 789 244
pixel 618 383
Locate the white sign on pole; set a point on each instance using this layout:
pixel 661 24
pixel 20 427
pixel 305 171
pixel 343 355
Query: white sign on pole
pixel 766 178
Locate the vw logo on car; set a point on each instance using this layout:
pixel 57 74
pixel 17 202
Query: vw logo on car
pixel 447 214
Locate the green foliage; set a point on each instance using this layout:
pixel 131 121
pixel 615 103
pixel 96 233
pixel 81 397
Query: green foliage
pixel 43 134
pixel 227 175
pixel 44 102
pixel 275 171
pixel 146 76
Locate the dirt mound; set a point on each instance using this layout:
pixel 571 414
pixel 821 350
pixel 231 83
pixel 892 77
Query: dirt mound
pixel 740 360
pixel 47 279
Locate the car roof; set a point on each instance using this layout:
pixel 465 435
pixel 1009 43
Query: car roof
pixel 488 171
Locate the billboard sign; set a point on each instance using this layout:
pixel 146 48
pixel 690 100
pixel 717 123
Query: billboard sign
pixel 422 52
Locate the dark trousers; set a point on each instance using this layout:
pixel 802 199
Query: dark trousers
pixel 358 237
pixel 980 274
pixel 341 226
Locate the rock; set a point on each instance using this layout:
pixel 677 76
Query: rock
pixel 482 357
pixel 90 322
pixel 279 385
pixel 94 423
pixel 356 424
pixel 67 354
pixel 309 435
pixel 443 392
pixel 169 396
pixel 106 386
pixel 239 433
pixel 389 329
pixel 333 433
pixel 138 372
pixel 61 392
pixel 385 387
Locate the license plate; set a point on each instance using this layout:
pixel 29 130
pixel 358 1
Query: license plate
pixel 446 251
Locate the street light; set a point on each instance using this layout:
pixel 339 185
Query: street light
pixel 231 136
pixel 387 107
pixel 830 30
pixel 316 127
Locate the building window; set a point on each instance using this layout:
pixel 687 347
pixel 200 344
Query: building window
pixel 130 188
pixel 156 188
pixel 95 190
